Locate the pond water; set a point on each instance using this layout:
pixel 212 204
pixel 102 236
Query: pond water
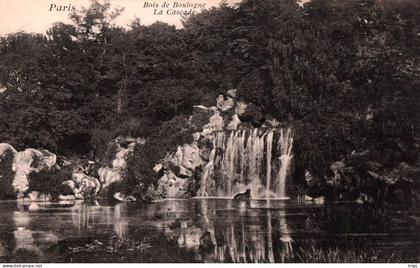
pixel 206 230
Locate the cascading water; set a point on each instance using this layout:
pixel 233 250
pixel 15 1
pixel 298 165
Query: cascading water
pixel 269 150
pixel 285 148
pixel 255 159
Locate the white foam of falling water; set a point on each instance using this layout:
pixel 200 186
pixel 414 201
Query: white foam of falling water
pixel 230 161
pixel 207 171
pixel 285 146
pixel 268 168
pixel 244 160
pixel 242 154
pixel 255 156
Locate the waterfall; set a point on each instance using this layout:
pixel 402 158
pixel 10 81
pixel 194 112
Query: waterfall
pixel 285 148
pixel 255 159
pixel 268 169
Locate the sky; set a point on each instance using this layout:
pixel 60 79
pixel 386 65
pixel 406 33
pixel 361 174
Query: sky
pixel 35 15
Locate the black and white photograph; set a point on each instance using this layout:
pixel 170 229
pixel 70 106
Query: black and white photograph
pixel 209 131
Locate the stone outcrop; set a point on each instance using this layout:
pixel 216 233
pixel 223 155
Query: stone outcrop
pixel 30 161
pixel 84 179
pixel 18 167
pixel 190 157
pixel 24 163
pixel 181 171
pixel 225 103
pixel 85 186
pixel 114 172
pixel 172 186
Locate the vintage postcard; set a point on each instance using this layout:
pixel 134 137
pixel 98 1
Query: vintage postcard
pixel 208 131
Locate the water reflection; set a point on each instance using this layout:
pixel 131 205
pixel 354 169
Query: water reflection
pixel 195 230
pixel 222 231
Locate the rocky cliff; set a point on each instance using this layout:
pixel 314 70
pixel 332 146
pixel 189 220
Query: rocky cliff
pixel 235 147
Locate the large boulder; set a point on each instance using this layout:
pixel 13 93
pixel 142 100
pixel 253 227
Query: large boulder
pixel 46 161
pixel 74 187
pixel 87 186
pixel 186 157
pixel 176 184
pixel 191 156
pixel 108 175
pixel 225 103
pixel 22 168
pixel 171 186
pixel 28 161
pixel 216 123
pixel 232 93
pixel 5 147
pixel 183 172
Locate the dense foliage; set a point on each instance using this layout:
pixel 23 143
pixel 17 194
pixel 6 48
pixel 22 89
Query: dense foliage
pixel 6 178
pixel 345 74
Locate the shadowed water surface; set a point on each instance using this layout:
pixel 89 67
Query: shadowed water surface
pixel 204 230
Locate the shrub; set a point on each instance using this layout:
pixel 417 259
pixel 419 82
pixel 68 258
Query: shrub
pixel 335 218
pixel 51 182
pixel 6 177
pixel 337 255
pixel 164 140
